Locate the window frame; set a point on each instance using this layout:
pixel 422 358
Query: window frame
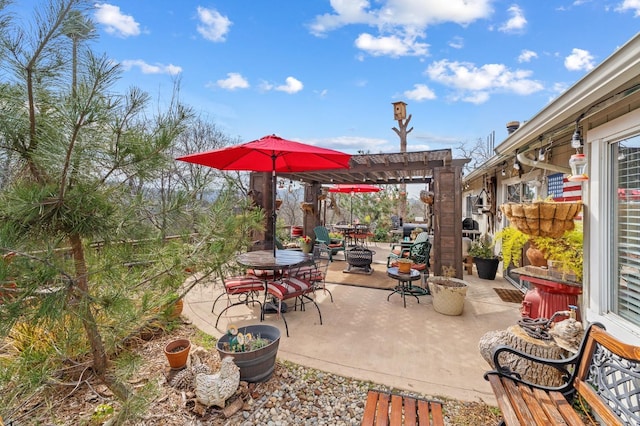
pixel 598 238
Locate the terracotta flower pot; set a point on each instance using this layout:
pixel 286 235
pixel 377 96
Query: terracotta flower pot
pixel 177 353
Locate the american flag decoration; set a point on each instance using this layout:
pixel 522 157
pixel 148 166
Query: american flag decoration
pixel 561 189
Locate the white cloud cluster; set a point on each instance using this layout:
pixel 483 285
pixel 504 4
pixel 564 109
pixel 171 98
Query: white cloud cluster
pixel 146 68
pixel 579 60
pixel 419 93
pixel 475 84
pixel 392 45
pixel 115 22
pixel 527 55
pixel 233 81
pixel 400 23
pixel 516 23
pixel 292 85
pixel 213 26
pixel 633 5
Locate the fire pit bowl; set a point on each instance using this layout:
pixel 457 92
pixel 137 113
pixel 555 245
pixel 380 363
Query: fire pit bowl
pixel 360 257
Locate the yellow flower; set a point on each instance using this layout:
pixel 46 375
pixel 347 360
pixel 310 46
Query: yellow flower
pixel 232 329
pixel 240 338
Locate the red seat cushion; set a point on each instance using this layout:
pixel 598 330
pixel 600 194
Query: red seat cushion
pixel 243 284
pixel 288 288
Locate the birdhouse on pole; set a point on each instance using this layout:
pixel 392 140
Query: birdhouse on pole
pixel 399 110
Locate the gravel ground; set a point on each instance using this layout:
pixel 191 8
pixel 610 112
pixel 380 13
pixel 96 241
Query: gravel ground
pixel 294 395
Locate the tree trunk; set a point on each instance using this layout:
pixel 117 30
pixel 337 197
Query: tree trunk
pixel 100 358
pixel 518 339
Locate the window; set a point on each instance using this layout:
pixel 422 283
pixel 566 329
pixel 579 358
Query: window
pixel 625 163
pixel 471 207
pixel 520 192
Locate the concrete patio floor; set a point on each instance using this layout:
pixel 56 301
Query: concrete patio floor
pixel 366 337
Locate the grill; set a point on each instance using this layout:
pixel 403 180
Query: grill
pixel 360 257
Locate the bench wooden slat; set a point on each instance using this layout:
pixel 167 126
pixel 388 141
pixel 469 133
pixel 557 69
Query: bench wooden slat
pixel 410 412
pixel 518 402
pixel 370 408
pixel 567 411
pixel 504 403
pixel 534 406
pixel 382 414
pixel 550 407
pixel 423 413
pixel 436 414
pixel 396 410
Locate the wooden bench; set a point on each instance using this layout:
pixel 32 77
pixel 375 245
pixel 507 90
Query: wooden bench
pixel 403 410
pixel 604 374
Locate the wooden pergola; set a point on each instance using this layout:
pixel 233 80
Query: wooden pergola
pixel 437 167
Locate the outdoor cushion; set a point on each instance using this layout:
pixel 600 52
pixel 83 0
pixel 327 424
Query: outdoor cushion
pixel 288 288
pixel 243 284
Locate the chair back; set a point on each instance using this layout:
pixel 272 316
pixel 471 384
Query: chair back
pixel 322 235
pixel 322 258
pixel 420 250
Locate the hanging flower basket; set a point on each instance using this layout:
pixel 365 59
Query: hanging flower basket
pixel 426 197
pixel 542 218
pixel 307 207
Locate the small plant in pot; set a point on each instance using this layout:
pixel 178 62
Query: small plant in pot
pixel 253 349
pixel 404 265
pixel 485 259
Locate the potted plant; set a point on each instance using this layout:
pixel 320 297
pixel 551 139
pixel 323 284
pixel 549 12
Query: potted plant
pixel 253 349
pixel 485 259
pixel 448 292
pixel 566 249
pixel 177 353
pixel 306 243
pixel 404 265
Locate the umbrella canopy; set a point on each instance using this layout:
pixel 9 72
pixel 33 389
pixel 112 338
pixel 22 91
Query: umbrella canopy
pixel 271 154
pixel 351 189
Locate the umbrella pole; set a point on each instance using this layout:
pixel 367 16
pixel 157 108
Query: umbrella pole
pixel 274 215
pixel 351 222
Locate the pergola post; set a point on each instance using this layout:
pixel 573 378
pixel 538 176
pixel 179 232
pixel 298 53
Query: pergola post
pixel 447 219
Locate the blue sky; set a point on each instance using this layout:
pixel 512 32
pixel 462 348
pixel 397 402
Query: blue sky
pixel 326 72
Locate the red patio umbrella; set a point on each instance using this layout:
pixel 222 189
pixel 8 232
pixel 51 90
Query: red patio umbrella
pixel 271 154
pixel 353 188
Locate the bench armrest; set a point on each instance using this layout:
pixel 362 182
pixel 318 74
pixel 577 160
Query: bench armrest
pixel 566 366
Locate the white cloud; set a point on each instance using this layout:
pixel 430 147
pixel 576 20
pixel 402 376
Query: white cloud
pixel 151 69
pixel 213 26
pixel 419 93
pixel 475 84
pixel 579 60
pixel 116 22
pixel 233 81
pixel 291 86
pixel 516 23
pixel 633 5
pixel 391 45
pixel 527 55
pixel 456 42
